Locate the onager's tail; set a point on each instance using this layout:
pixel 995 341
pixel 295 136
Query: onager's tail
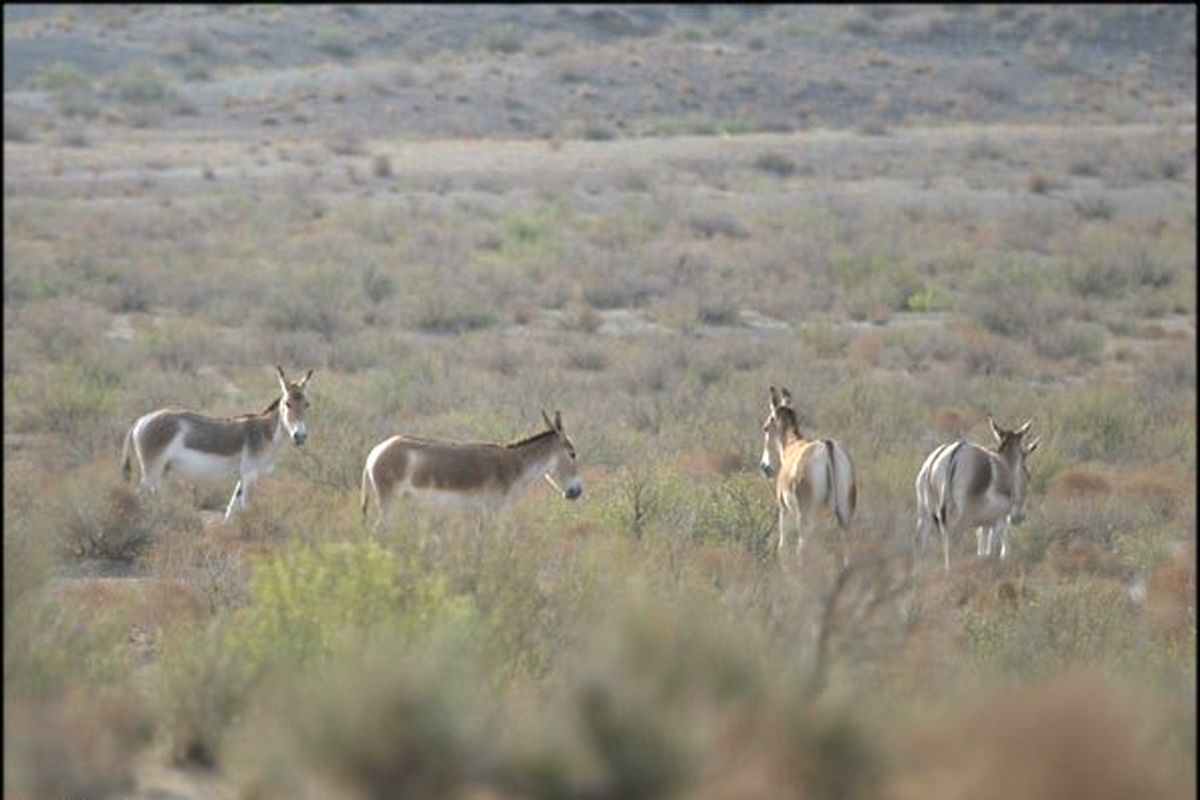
pixel 127 456
pixel 843 490
pixel 942 513
pixel 366 491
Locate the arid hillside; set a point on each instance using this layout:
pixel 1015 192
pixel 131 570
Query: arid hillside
pixel 915 218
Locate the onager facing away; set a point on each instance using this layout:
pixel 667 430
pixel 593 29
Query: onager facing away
pixel 200 446
pixel 808 474
pixel 469 475
pixel 962 485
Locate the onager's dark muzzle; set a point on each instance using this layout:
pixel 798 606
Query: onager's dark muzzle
pixel 573 492
pixel 298 437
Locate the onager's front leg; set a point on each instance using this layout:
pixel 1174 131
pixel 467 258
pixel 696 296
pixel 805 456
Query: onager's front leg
pixel 235 499
pixel 782 535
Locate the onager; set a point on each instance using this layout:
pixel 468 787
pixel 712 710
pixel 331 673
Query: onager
pixel 469 475
pixel 962 485
pixel 199 446
pixel 808 473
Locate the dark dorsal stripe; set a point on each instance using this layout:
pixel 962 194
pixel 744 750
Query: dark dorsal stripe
pixel 531 439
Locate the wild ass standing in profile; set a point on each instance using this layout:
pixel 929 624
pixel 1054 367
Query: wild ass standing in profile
pixel 962 485
pixel 199 446
pixel 810 473
pixel 469 475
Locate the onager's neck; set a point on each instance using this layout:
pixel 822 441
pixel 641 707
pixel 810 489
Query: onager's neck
pixel 790 435
pixel 273 417
pixel 534 455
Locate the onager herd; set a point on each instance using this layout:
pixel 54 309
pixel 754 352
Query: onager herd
pixel 961 485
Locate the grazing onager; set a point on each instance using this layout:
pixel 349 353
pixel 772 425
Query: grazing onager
pixel 962 485
pixel 469 475
pixel 200 446
pixel 810 474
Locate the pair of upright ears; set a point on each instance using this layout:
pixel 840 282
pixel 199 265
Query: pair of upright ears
pixel 781 398
pixel 283 384
pixel 556 423
pixel 1001 434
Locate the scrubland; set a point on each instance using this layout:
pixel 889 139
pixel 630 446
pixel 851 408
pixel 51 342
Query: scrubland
pixel 904 275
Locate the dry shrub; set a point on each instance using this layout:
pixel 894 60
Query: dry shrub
pixel 1078 555
pixel 1078 482
pixel 983 352
pixel 868 348
pixel 147 604
pixel 80 744
pixel 382 166
pixel 1171 598
pixel 711 463
pixel 210 566
pixel 953 423
pixel 1166 490
pixel 1074 735
pixel 1038 183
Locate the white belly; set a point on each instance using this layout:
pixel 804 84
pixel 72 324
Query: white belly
pixel 195 464
pixel 456 500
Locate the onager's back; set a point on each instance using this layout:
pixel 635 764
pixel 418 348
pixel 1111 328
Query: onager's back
pixel 469 475
pixel 199 446
pixel 810 474
pixel 962 485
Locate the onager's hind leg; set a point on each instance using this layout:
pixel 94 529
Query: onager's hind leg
pixel 841 532
pixel 798 520
pixel 152 475
pixel 945 546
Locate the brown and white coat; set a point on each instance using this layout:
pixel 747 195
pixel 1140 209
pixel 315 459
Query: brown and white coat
pixel 809 474
pixel 469 475
pixel 962 485
pixel 199 446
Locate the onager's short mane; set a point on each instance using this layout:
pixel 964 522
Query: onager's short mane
pixel 787 416
pixel 273 405
pixel 530 439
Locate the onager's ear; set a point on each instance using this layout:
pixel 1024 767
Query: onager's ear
pixel 558 421
pixel 282 380
pixel 787 397
pixel 1024 427
pixel 997 431
pixel 1033 445
pixel 545 416
pixel 304 381
pixel 774 399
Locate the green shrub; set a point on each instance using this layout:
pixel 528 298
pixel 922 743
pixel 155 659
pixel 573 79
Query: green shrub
pixel 143 87
pixel 737 508
pixel 333 41
pixel 1016 297
pixel 1081 340
pixel 1102 423
pixel 58 76
pixel 775 163
pixel 505 39
pixel 1087 620
pixel 306 609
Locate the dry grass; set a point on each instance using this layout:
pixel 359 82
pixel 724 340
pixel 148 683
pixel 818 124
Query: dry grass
pixel 643 641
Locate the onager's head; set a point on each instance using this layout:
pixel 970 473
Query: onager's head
pixel 1014 452
pixel 781 419
pixel 293 405
pixel 563 472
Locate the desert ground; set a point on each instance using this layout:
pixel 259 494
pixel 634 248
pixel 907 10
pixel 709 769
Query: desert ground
pixel 913 217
